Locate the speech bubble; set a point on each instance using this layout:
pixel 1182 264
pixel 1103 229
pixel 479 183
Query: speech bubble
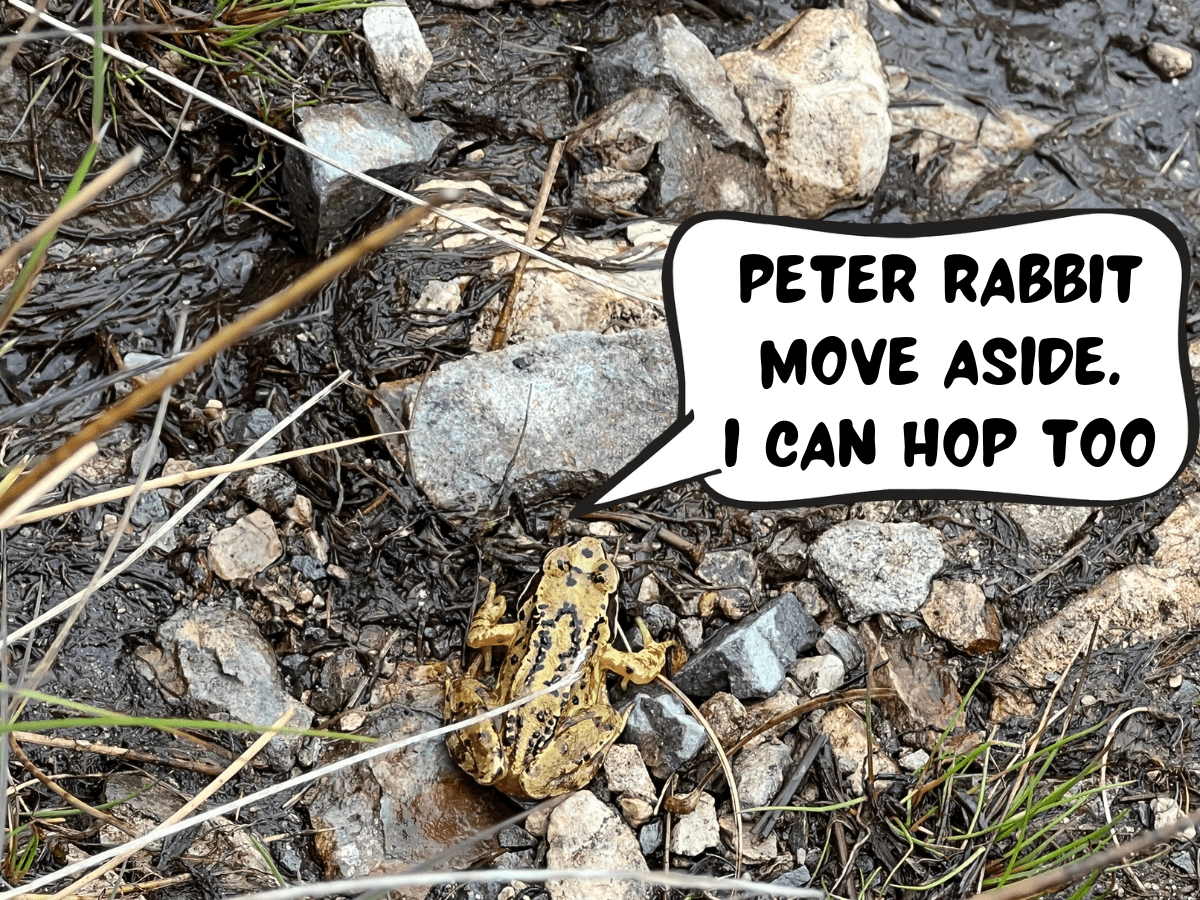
pixel 1034 358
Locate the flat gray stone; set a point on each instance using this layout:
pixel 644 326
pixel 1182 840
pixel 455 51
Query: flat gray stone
pixel 623 134
pixel 876 568
pixel 667 56
pixel 566 412
pixel 375 138
pixel 750 658
pixel 216 662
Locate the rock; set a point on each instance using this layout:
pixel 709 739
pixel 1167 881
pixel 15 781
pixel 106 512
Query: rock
pixel 149 508
pixel 387 814
pixel 759 772
pixel 697 831
pixel 1048 528
pixel 1168 60
pixel 691 633
pixel 626 772
pixel 650 837
pixel 878 568
pixel 695 177
pixel 1179 538
pixel 398 54
pixel 244 428
pixel 586 834
pixel 966 143
pixel 245 548
pixel 809 596
pixel 736 576
pixel 565 412
pixel 1140 603
pixel 308 566
pixel 750 658
pixel 514 837
pixel 755 849
pixel 848 739
pixel 659 619
pixel 926 699
pixel 636 810
pixel 232 861
pixel 549 300
pixel 267 486
pixel 818 98
pixel 911 762
pixel 798 877
pixel 958 612
pixel 623 134
pixel 842 644
pixel 374 138
pixel 215 662
pixel 607 192
pixel 669 58
pixel 725 714
pixel 817 675
pixel 785 557
pixel 1166 810
pixel 663 730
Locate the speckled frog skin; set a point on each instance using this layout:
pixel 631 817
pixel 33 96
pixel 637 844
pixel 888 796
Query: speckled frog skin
pixel 555 743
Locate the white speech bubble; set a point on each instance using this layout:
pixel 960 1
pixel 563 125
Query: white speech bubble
pixel 1136 426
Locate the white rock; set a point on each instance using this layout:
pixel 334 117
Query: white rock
pixel 1168 60
pixel 398 53
pixel 819 99
pixel 583 833
pixel 816 675
pixel 627 772
pixel 1166 810
pixel 698 830
pixel 759 772
pixel 245 548
pixel 1048 528
pixel 910 762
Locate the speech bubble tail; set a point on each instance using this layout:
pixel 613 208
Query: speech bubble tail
pixel 655 468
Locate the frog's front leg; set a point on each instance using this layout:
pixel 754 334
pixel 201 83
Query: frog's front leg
pixel 476 748
pixel 485 628
pixel 573 755
pixel 639 667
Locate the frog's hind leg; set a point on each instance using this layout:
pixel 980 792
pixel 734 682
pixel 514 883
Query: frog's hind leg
pixel 574 754
pixel 476 748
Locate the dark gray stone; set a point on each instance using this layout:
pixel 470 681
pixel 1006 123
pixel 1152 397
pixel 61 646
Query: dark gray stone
pixel 244 428
pixel 309 566
pixel 650 837
pixel 842 644
pixel 266 486
pixel 149 508
pixel 514 837
pixel 798 877
pixel 663 730
pixel 750 658
pixel 786 556
pixel 215 661
pixel 735 575
pixel 565 412
pixel 694 177
pixel 659 619
pixel 374 138
pixel 668 57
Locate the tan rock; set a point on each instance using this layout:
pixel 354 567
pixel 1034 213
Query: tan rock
pixel 958 612
pixel 848 738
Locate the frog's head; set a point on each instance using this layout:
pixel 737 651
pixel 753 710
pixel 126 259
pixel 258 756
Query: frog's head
pixel 582 562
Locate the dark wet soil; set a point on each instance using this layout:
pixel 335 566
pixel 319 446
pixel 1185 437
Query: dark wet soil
pixel 510 81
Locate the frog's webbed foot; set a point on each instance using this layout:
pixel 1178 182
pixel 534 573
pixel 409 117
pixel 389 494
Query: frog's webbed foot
pixel 485 629
pixel 476 748
pixel 639 667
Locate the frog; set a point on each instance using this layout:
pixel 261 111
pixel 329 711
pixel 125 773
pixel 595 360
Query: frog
pixel 556 742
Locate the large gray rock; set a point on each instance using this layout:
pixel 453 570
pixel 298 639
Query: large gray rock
pixel 398 53
pixel 215 662
pixel 750 658
pixel 820 102
pixel 374 138
pixel 565 412
pixel 668 57
pixel 877 568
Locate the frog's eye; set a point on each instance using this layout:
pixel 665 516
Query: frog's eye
pixel 605 577
pixel 558 564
